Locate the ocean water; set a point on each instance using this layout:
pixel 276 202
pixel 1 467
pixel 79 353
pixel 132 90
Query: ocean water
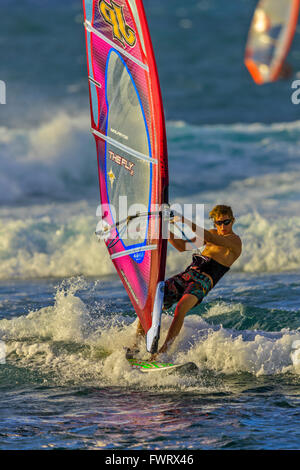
pixel 64 316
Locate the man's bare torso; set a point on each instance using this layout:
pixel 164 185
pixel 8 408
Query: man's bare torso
pixel 221 254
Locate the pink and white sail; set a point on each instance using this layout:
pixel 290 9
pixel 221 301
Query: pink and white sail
pixel 127 121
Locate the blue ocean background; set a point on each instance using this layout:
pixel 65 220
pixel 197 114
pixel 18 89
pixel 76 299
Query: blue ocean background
pixel 64 315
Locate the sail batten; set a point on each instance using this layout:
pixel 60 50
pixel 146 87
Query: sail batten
pixel 121 146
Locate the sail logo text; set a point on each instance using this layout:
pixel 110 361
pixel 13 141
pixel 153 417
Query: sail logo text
pixel 121 161
pixel 113 15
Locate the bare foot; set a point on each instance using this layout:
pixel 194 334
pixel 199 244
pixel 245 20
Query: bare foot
pixel 153 357
pixel 132 352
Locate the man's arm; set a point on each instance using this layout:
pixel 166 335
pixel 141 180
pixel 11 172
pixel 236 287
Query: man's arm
pixel 232 241
pixel 178 243
pixel 184 245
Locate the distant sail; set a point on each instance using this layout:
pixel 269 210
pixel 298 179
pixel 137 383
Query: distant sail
pixel 129 127
pixel 270 37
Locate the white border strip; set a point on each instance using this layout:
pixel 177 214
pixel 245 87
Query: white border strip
pixel 123 147
pixel 133 250
pixel 90 29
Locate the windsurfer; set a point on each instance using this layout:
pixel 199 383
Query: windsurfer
pixel 187 289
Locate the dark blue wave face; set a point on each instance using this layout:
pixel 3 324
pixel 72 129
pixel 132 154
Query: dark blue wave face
pixel 199 49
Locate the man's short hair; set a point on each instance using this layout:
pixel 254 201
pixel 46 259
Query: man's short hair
pixel 221 210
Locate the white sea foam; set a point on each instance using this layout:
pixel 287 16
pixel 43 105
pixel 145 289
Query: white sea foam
pixel 72 343
pixel 60 241
pixel 55 160
pixel 241 165
pixel 34 245
pixel 58 158
pixel 231 351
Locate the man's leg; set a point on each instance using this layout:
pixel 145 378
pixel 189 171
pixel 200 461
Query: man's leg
pixel 185 304
pixel 132 351
pixel 140 333
pixel 172 294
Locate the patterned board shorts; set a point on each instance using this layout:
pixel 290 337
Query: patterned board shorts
pixel 191 281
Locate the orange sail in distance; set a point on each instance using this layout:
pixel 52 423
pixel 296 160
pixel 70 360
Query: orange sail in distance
pixel 269 40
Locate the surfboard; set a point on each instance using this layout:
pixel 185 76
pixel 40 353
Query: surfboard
pixel 163 367
pixel 270 37
pixel 127 122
